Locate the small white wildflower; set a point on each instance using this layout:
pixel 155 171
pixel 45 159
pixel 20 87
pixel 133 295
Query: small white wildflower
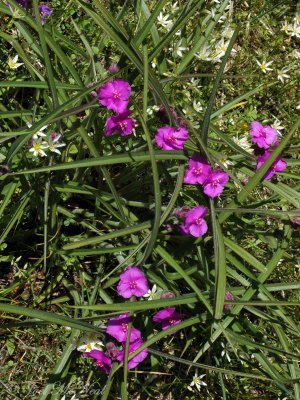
pixel 286 27
pixel 197 106
pixel 297 18
pixel 178 49
pixel 277 125
pixel 243 143
pixel 224 352
pixel 296 54
pixel 194 83
pixel 188 112
pixel 197 381
pixel 13 62
pixel 282 74
pixel 220 50
pixel 39 133
pixel 298 107
pixel 89 342
pixel 163 21
pixel 225 162
pixel 174 7
pixel 265 66
pixel 295 30
pixel 38 147
pixel 53 143
pixel 151 293
pixel 204 54
pixel 227 32
pixel 154 63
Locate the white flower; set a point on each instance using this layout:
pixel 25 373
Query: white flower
pixel 204 54
pixel 220 50
pixel 174 7
pixel 298 107
pixel 295 30
pixel 227 32
pixel 243 143
pixel 39 133
pixel 13 62
pixel 264 66
pixel 53 143
pixel 224 352
pixel 225 162
pixel 197 106
pixel 163 21
pixel 38 147
pixel 89 342
pixel 151 293
pixel 197 381
pixel 282 74
pixel 296 54
pixel 194 83
pixel 188 113
pixel 286 27
pixel 178 49
pixel 277 125
pixel 151 110
pixel 154 63
pixel 297 18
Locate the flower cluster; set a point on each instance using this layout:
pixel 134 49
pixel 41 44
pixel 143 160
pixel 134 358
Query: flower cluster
pixel 265 137
pixel 200 173
pixel 133 283
pixel 41 143
pixel 114 95
pixel 45 11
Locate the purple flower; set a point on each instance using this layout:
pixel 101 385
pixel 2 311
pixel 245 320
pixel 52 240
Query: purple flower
pixel 198 171
pixel 228 296
pixel 181 212
pixel 138 358
pixel 167 317
pixel 294 220
pixel 215 182
pixel 278 166
pixel 195 223
pixel 170 138
pixel 45 11
pixel 132 283
pixel 101 360
pixel 121 124
pixel 118 328
pixel 113 68
pixel 114 95
pixel 263 136
pixel 112 350
pixel 23 3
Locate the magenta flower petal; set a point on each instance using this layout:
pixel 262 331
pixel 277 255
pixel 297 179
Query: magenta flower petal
pixel 195 223
pixel 101 360
pixel 114 95
pixel 170 138
pixel 117 327
pixel 198 171
pixel 215 182
pixel 132 283
pixel 167 317
pixel 263 136
pixel 138 358
pixel 279 165
pixel 121 124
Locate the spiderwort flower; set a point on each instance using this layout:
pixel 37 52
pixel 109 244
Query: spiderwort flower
pixel 263 136
pixel 228 296
pixel 121 124
pixel 45 11
pixel 132 283
pixel 167 317
pixel 138 358
pixel 118 328
pixel 101 360
pixel 195 223
pixel 278 166
pixel 170 138
pixel 198 171
pixel 23 3
pixel 215 182
pixel 114 95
